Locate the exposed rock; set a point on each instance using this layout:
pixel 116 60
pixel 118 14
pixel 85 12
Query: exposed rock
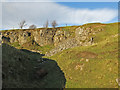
pixel 60 36
pixel 118 81
pixel 23 37
pixel 82 36
pixel 69 43
pixel 61 39
pixel 44 37
pixel 87 60
pixel 79 67
pixel 5 39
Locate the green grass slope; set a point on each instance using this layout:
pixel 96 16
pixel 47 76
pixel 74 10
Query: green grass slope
pixel 94 66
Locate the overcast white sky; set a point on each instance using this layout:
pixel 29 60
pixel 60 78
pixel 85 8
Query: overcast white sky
pixel 38 13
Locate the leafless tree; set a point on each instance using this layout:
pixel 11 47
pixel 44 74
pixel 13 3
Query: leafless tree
pixel 22 24
pixel 32 26
pixel 47 24
pixel 54 24
pixel 66 24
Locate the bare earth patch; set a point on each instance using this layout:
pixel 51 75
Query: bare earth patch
pixel 86 54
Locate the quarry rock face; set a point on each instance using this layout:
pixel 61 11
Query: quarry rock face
pixel 44 37
pixel 61 39
pixel 22 37
pixel 82 36
pixel 60 36
pixel 69 43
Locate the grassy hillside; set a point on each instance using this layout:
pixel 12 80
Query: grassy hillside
pixel 94 66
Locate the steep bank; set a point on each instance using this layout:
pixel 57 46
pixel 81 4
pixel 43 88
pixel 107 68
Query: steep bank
pixel 55 39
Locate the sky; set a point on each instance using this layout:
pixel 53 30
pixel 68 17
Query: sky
pixel 93 5
pixel 70 13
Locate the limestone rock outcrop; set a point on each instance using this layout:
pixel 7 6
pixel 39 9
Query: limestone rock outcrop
pixel 60 38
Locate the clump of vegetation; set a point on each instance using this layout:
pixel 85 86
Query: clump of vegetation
pixel 54 24
pixel 32 26
pixel 22 24
pixel 46 24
